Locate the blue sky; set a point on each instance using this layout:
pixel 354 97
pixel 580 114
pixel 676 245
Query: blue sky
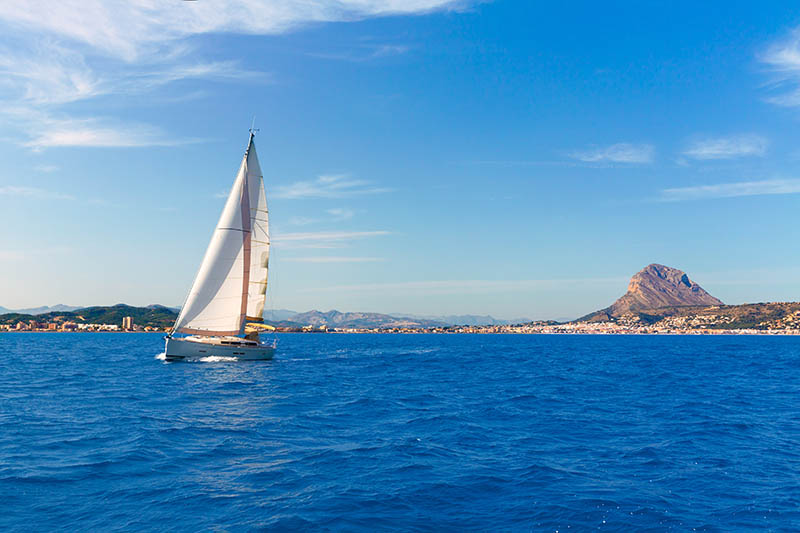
pixel 427 156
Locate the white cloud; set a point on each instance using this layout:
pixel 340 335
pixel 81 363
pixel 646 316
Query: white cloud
pixel 730 190
pixel 782 59
pixel 617 153
pixel 48 73
pixel 55 53
pixel 728 147
pixel 129 29
pixel 341 213
pixel 333 259
pixel 327 186
pixel 33 192
pixel 98 133
pixel 48 130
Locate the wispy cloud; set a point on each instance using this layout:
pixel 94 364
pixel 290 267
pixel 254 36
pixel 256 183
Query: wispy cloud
pixel 341 213
pixel 336 214
pixel 616 153
pixel 48 130
pixel 323 239
pixel 471 286
pixel 32 253
pixel 129 29
pixel 364 53
pixel 333 259
pixel 327 236
pixel 46 168
pixel 33 192
pixel 328 186
pixel 301 221
pixel 92 132
pixel 782 59
pixel 216 70
pixel 730 190
pixel 727 147
pixel 79 50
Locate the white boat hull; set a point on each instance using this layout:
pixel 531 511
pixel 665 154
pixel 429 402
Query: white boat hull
pixel 189 348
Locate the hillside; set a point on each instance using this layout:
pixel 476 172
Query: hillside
pixel 154 316
pixel 759 316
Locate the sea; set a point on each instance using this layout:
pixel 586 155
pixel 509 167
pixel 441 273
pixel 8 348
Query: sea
pixel 402 433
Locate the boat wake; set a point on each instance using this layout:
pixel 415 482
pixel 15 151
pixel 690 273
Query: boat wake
pixel 215 359
pixel 209 359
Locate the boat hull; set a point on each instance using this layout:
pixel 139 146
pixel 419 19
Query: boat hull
pixel 189 348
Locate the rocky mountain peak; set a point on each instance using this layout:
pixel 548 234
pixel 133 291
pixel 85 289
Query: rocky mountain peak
pixel 660 286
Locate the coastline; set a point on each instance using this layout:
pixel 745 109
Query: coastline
pixel 676 333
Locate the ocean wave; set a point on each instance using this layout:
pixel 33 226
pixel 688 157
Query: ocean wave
pixel 352 432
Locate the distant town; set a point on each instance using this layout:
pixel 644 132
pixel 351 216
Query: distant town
pixel 35 325
pixel 630 324
pixel 625 326
pixel 660 301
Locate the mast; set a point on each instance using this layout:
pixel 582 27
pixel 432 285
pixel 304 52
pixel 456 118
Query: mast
pixel 218 301
pixel 259 236
pixel 246 235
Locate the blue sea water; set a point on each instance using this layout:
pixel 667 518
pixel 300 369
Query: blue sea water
pixel 402 432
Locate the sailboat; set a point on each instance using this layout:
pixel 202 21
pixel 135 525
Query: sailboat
pixel 231 285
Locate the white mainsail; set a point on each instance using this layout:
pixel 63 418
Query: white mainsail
pixel 230 286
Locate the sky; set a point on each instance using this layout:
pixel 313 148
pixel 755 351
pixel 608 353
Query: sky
pixel 512 158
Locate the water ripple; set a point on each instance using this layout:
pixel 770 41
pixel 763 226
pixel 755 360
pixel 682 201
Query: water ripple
pixel 405 432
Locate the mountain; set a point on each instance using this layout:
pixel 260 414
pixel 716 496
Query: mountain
pixel 656 286
pixel 162 315
pixel 358 320
pixel 39 310
pixel 278 315
pixel 157 316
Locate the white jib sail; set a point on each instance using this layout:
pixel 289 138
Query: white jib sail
pixel 259 239
pixel 217 301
